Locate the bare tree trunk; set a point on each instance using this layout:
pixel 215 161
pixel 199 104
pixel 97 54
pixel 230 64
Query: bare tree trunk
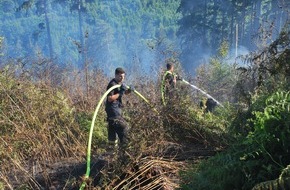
pixel 81 33
pixel 48 29
pixel 232 29
pixel 84 61
pixel 204 39
pixel 257 16
pixel 242 25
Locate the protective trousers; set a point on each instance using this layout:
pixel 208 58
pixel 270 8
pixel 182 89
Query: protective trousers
pixel 118 127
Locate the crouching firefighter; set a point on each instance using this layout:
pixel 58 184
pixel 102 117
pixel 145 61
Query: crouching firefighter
pixel 117 126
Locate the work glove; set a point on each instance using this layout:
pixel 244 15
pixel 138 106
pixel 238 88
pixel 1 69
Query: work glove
pixel 131 88
pixel 123 89
pixel 178 77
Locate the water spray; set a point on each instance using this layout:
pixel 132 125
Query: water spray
pixel 203 92
pixel 96 113
pixel 86 177
pixel 193 86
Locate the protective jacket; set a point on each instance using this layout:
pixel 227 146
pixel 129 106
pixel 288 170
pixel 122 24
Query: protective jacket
pixel 166 84
pixel 113 109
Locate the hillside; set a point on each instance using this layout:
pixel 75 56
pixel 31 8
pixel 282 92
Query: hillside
pixel 46 113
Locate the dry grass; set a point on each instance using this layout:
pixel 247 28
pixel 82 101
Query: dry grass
pixel 38 123
pixel 161 146
pixel 149 173
pixel 40 129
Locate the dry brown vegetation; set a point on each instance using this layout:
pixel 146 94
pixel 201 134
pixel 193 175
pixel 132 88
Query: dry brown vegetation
pixel 46 112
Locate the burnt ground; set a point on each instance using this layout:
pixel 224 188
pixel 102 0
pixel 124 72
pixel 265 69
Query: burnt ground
pixel 141 172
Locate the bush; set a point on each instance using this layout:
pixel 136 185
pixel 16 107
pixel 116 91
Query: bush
pixel 258 157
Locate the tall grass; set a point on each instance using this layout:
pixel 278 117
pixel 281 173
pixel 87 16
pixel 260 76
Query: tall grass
pixel 46 111
pixel 45 114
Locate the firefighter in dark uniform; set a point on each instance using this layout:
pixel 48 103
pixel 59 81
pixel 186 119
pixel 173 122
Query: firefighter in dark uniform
pixel 117 126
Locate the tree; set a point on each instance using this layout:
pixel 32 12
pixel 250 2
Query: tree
pixel 205 24
pixel 42 9
pixel 1 45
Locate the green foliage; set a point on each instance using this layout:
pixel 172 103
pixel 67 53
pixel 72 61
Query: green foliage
pixel 192 121
pixel 206 24
pixel 272 127
pixel 258 157
pixel 220 172
pixel 102 28
pixel 261 128
pixel 100 128
pixel 218 77
pixel 224 49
